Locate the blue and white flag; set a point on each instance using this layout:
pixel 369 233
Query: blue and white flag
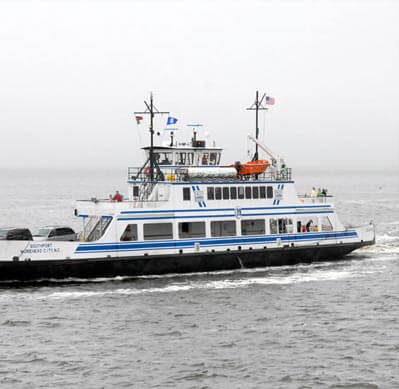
pixel 171 121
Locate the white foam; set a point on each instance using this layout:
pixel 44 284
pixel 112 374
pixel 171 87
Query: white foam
pixel 394 223
pixel 320 275
pixel 386 238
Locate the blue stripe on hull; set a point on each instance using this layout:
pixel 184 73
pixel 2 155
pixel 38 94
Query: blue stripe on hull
pixel 223 215
pixel 204 242
pixel 224 209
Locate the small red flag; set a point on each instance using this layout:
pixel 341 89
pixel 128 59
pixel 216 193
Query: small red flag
pixel 139 119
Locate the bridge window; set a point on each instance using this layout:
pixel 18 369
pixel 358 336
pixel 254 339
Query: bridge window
pixel 223 228
pixel 211 193
pixel 130 233
pixel 213 157
pixel 262 192
pixel 269 192
pixel 192 230
pixel 164 158
pixel 135 191
pixel 205 159
pixel 253 227
pixel 186 194
pixel 156 231
pixel 248 192
pixel 226 193
pixel 233 192
pixel 181 158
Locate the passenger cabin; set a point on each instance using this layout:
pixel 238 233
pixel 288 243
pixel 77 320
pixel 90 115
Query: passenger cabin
pixel 195 197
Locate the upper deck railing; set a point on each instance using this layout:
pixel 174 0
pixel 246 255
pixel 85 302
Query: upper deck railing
pixel 306 199
pixel 180 174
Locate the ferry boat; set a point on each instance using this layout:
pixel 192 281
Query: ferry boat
pixel 185 212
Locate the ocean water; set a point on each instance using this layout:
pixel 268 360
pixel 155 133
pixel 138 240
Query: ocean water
pixel 324 325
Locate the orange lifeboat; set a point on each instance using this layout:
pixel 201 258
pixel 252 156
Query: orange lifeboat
pixel 252 167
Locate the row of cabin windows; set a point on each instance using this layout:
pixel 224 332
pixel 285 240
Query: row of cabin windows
pixel 161 231
pixel 234 192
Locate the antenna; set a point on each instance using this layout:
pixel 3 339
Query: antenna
pixel 152 111
pixel 194 126
pixel 257 106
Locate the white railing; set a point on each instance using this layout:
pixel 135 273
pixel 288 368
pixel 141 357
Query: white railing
pixel 306 199
pixel 180 174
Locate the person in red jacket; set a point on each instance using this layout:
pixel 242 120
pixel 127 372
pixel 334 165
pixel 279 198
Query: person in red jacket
pixel 117 197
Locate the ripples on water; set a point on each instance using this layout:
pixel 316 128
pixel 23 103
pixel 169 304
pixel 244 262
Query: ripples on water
pixel 327 325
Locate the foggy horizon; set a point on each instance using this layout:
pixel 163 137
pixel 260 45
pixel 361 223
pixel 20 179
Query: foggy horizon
pixel 74 73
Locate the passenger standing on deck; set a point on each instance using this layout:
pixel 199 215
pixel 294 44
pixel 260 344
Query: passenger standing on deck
pixel 117 197
pixel 313 195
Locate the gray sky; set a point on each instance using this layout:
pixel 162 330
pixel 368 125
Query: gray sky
pixel 72 73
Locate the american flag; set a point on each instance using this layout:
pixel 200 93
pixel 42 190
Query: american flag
pixel 269 100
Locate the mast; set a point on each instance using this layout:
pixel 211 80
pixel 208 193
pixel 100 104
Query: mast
pixel 257 106
pixel 152 111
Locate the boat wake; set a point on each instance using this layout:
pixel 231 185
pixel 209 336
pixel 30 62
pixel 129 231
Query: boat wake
pixel 244 278
pixel 385 244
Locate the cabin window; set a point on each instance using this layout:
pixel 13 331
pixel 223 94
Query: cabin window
pixel 307 224
pixel 290 226
pixel 240 192
pixel 255 192
pixel 253 227
pixel 226 193
pixel 325 223
pixel 156 231
pixel 262 192
pixel 192 230
pixel 164 158
pixel 269 192
pixel 130 233
pixel 211 193
pixel 205 159
pixel 248 192
pixel 223 228
pixel 218 193
pixel 213 159
pixel 135 191
pixel 273 226
pixel 186 194
pixel 233 192
pixel 285 226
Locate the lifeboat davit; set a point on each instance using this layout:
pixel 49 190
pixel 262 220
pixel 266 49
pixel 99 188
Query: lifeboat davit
pixel 252 167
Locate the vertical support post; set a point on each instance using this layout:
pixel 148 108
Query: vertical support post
pixel 152 139
pixel 256 156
